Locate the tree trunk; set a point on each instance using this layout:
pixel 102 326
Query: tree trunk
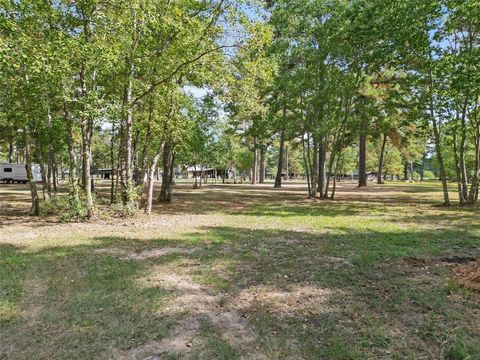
pixel 46 194
pixel 380 160
pixel 422 170
pixel 463 167
pixel 166 189
pixel 437 140
pixel 72 163
pixel 87 129
pixel 334 187
pixel 112 165
pixel 54 177
pixel 127 173
pixel 86 163
pixel 458 170
pixel 255 162
pixel 287 174
pixel 307 167
pixel 278 178
pixel 321 168
pixel 362 161
pixel 143 159
pixel 151 175
pixel 263 151
pixel 474 187
pixel 35 208
pixel 51 172
pixel 10 152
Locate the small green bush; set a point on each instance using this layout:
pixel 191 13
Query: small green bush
pixel 64 206
pixel 122 210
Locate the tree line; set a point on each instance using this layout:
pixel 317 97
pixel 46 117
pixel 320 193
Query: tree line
pixel 88 81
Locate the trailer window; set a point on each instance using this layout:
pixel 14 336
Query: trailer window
pixel 7 169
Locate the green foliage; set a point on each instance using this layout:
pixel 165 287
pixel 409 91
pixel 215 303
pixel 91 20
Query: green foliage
pixel 66 207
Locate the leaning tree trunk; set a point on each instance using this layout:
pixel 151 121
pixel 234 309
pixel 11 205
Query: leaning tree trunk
pixel 35 208
pixel 438 148
pixel 166 189
pixel 362 160
pixel 380 160
pixel 278 178
pixel 337 163
pixel 151 181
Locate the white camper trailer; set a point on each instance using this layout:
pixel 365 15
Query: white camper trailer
pixel 11 173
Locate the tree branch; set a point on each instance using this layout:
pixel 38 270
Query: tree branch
pixel 154 85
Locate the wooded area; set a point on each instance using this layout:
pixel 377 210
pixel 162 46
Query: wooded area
pixel 239 179
pixel 347 86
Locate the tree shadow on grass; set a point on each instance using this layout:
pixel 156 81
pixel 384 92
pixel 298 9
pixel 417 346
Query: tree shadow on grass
pixel 299 292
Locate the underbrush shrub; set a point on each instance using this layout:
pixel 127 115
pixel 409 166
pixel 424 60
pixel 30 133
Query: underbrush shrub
pixel 66 207
pixel 121 210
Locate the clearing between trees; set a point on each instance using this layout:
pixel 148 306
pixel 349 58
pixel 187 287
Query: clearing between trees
pixel 241 271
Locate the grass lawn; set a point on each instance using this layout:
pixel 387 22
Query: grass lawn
pixel 235 271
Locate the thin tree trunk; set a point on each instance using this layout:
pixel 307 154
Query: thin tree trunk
pixel 278 178
pixel 255 162
pixel 307 167
pixel 151 175
pixel 45 193
pixel 112 165
pixel 463 168
pixel 72 163
pixel 54 178
pixel 422 171
pixel 143 159
pixel 127 174
pixel 437 140
pixel 35 208
pixel 10 151
pixel 50 171
pixel 458 170
pixel 474 187
pixel 362 160
pixel 321 167
pixel 87 129
pixel 334 187
pixel 287 175
pixel 263 151
pixel 380 160
pixel 166 189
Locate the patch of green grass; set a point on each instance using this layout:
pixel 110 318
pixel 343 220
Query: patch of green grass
pixel 371 261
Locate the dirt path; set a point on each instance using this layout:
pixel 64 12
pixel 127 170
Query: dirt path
pixel 197 307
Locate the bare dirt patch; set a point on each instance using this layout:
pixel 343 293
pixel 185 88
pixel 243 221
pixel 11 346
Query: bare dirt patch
pixel 144 255
pixel 195 305
pixel 468 275
pixel 298 299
